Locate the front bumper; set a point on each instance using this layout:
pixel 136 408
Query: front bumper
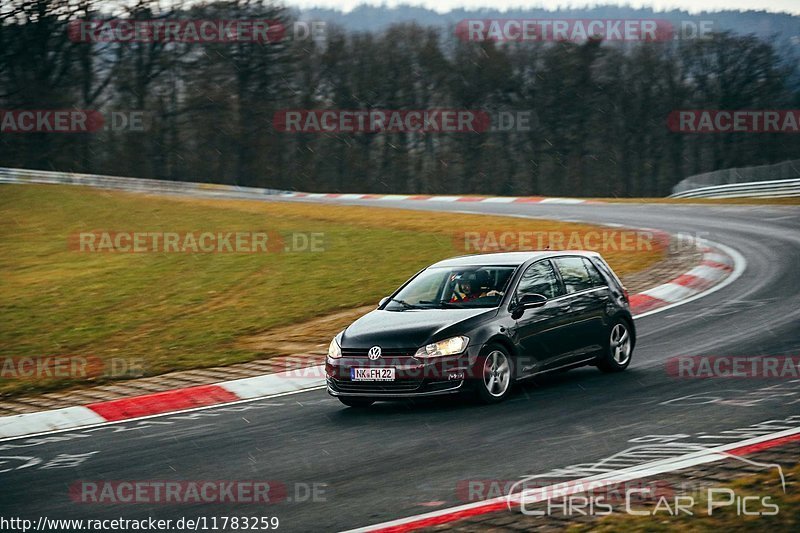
pixel 413 377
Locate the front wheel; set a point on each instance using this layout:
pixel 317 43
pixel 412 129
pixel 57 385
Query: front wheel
pixel 356 402
pixel 617 356
pixel 495 378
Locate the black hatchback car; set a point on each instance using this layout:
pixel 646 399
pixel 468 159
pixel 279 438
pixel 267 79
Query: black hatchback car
pixel 479 323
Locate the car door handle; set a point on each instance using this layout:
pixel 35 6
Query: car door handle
pixel 566 307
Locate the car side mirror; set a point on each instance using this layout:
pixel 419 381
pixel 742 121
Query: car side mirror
pixel 383 301
pixel 529 301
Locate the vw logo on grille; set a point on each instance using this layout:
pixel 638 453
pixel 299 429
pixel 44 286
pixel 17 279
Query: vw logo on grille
pixel 374 353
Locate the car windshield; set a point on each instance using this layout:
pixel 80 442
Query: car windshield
pixel 454 287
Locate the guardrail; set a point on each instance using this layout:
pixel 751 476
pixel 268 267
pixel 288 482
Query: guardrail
pixel 786 170
pixel 763 189
pixel 19 175
pixel 760 189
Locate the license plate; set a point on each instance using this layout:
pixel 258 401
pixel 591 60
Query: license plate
pixel 372 374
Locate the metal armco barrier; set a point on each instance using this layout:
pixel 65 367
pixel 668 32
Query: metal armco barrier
pixel 761 189
pixel 19 175
pixel 786 170
pixel 764 189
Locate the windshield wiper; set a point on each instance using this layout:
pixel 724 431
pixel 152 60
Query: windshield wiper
pixel 443 303
pixel 405 304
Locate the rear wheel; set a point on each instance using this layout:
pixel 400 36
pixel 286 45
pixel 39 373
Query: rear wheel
pixel 495 378
pixel 356 402
pixel 620 347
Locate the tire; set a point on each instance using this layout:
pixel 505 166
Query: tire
pixel 618 352
pixel 359 403
pixel 495 376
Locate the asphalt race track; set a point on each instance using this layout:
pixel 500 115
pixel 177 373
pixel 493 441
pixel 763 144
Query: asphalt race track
pixel 397 459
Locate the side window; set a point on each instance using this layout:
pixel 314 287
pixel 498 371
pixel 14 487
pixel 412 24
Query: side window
pixel 539 278
pixel 573 273
pixel 594 275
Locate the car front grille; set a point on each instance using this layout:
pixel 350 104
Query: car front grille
pixel 358 353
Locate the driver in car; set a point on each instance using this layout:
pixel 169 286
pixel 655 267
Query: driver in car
pixel 470 287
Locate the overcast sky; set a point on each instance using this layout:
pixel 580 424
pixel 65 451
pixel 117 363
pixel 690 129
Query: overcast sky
pixel 693 6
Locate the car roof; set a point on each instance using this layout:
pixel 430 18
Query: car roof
pixel 508 258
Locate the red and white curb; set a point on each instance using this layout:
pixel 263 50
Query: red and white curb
pixel 435 198
pixel 577 486
pixel 720 266
pixel 174 401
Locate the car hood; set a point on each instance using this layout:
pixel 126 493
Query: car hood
pixel 410 328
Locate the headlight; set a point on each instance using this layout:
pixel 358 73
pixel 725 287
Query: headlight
pixel 334 351
pixel 451 346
